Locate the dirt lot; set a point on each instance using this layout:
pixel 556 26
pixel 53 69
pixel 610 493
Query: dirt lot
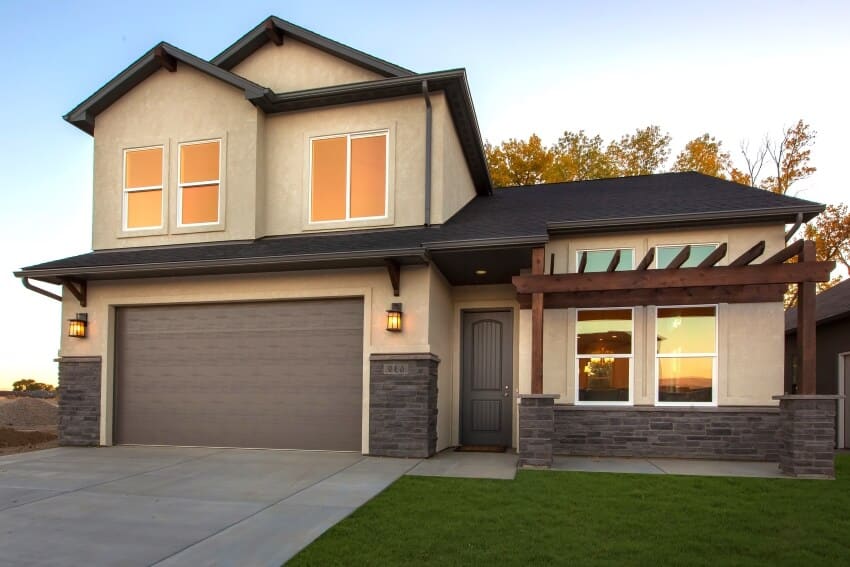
pixel 27 424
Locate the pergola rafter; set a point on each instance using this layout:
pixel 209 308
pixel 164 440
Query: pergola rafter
pixel 739 282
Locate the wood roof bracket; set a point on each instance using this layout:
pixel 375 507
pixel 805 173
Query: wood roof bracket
pixel 273 33
pixel 78 289
pixel 394 271
pixel 165 59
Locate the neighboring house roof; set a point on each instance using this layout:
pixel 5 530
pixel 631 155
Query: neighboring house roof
pixel 513 218
pixel 83 115
pixel 259 36
pixel 830 305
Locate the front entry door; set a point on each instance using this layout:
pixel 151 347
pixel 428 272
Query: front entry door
pixel 487 378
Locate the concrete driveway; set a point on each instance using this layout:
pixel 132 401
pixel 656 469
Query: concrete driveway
pixel 178 506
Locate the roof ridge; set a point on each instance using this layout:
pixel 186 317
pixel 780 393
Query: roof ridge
pixel 256 37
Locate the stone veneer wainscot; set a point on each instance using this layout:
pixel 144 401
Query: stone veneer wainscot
pixel 79 400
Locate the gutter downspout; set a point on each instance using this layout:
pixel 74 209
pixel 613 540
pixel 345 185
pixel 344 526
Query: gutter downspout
pixel 427 153
pixel 795 227
pixel 44 292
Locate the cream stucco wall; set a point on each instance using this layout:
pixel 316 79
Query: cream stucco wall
pixel 265 177
pixel 296 66
pixel 371 284
pixel 440 338
pixel 167 109
pixel 451 183
pixel 750 335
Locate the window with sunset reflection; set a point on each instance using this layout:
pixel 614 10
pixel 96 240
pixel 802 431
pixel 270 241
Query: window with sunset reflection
pixel 686 354
pixel 604 355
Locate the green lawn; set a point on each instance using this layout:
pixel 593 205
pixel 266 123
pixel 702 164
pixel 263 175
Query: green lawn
pixel 546 518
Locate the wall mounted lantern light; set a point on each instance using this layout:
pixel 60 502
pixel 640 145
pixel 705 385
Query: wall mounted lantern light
pixel 77 325
pixel 394 318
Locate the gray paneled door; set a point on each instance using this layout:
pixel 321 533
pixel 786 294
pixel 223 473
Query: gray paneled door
pixel 487 378
pixel 286 375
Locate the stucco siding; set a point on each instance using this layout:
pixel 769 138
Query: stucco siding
pixel 167 109
pixel 296 66
pixel 371 284
pixel 750 336
pixel 440 339
pixel 452 185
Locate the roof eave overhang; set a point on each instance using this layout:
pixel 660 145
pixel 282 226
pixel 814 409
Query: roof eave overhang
pixel 258 36
pixel 373 258
pixel 452 82
pixel 84 114
pixel 786 215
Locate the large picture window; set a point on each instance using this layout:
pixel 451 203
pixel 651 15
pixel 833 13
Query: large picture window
pixel 600 260
pixel 604 350
pixel 348 177
pixel 143 188
pixel 686 355
pixel 200 183
pixel 699 252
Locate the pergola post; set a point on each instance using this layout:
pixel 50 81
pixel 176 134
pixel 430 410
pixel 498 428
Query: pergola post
pixel 537 268
pixel 806 327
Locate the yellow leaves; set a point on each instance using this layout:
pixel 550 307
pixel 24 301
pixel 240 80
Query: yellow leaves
pixel 705 155
pixel 518 162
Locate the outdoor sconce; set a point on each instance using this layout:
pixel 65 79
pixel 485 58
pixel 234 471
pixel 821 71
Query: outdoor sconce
pixel 394 318
pixel 77 325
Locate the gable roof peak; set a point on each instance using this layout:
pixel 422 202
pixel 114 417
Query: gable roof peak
pixel 276 30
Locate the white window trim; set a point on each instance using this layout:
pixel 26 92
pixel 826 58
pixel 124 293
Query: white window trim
pixel 714 356
pixel 658 256
pixel 631 356
pixel 348 137
pixel 125 190
pixel 581 250
pixel 180 186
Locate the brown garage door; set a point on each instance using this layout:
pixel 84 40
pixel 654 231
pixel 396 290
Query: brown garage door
pixel 285 375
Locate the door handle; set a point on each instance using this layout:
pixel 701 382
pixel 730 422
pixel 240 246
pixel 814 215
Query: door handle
pixel 507 391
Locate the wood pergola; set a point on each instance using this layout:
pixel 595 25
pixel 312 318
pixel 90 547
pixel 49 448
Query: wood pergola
pixel 740 281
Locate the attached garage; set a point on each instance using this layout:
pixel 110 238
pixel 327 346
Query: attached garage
pixel 285 375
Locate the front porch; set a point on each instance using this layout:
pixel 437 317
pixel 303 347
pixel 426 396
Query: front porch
pixel 690 423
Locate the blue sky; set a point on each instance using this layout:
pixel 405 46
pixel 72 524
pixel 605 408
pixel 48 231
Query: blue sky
pixel 735 69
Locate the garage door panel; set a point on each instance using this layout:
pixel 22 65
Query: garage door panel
pixel 281 375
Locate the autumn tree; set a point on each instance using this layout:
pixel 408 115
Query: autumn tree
pixel 643 152
pixel 788 156
pixel 30 385
pixel 577 156
pixel 518 162
pixel 705 155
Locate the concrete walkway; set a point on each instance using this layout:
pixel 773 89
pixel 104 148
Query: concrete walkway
pixel 695 467
pixel 451 463
pixel 178 506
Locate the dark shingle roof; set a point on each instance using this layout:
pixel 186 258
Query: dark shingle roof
pixel 830 305
pixel 509 216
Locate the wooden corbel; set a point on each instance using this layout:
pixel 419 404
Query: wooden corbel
pixel 394 271
pixel 78 289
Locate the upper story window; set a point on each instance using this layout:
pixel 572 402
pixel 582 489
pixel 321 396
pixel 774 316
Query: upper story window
pixel 699 252
pixel 198 192
pixel 604 350
pixel 143 188
pixel 348 177
pixel 600 260
pixel 686 355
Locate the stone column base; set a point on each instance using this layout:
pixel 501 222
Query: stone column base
pixel 807 435
pixel 79 400
pixel 536 429
pixel 403 405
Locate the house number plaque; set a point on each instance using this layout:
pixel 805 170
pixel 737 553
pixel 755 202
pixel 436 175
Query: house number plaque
pixel 397 369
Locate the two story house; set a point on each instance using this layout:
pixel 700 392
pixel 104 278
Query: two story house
pixel 297 245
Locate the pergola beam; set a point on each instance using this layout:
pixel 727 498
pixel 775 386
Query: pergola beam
pixel 647 260
pixel 669 296
pixel 680 258
pixel 714 257
pixel 760 274
pixel 615 261
pixel 748 256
